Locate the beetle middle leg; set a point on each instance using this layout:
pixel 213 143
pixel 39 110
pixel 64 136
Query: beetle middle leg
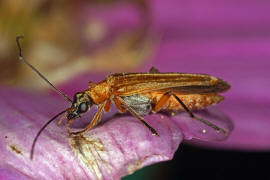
pixel 163 100
pixel 118 105
pixel 135 114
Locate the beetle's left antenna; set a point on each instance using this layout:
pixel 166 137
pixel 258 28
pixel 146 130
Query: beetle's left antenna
pixel 34 69
pixel 40 131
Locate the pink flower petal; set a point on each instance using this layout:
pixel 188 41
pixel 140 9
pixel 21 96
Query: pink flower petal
pixel 110 151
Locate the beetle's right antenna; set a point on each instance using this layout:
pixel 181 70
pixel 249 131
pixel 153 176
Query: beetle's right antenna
pixel 34 69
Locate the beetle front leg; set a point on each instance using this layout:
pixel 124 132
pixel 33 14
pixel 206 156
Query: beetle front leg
pixel 59 122
pixel 68 124
pixel 95 120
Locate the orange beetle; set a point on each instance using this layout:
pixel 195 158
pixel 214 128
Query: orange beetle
pixel 140 94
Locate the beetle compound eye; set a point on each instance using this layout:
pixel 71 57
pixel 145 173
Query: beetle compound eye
pixel 83 107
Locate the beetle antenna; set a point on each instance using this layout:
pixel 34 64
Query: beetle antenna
pixel 40 131
pixel 34 69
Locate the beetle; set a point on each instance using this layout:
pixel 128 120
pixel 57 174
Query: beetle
pixel 140 94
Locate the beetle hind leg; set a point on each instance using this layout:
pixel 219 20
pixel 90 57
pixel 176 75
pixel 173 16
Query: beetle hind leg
pixel 218 129
pixel 163 100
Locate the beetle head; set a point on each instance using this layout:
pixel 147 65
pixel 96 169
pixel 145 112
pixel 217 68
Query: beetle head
pixel 81 104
